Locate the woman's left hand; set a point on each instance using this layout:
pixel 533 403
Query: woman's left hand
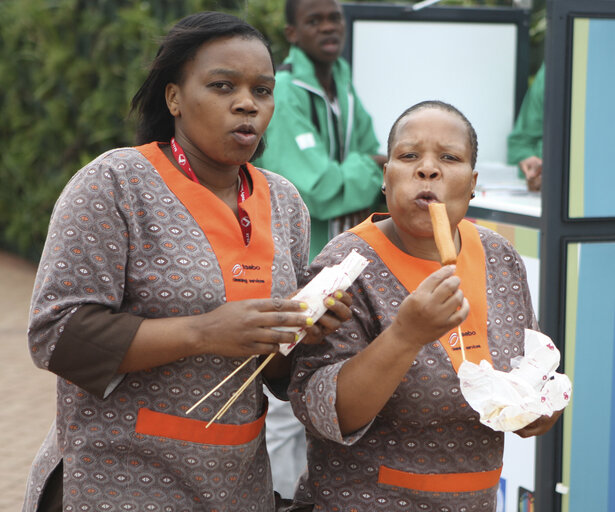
pixel 338 311
pixel 539 426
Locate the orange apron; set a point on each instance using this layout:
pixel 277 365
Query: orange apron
pixel 246 269
pixel 411 272
pixel 470 265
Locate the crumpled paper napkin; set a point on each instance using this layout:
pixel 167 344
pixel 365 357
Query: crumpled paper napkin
pixel 508 401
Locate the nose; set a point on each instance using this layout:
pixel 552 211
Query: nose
pixel 428 169
pixel 328 26
pixel 245 104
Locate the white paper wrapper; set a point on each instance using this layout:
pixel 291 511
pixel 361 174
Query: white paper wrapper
pixel 327 281
pixel 508 401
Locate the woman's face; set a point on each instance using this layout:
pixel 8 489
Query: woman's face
pixel 430 162
pixel 224 101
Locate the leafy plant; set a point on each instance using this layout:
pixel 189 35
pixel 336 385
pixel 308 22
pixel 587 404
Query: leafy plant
pixel 68 70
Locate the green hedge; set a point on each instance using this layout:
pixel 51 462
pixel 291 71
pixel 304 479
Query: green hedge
pixel 68 70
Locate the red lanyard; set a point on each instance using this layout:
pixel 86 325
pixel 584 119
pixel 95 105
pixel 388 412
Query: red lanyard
pixel 243 192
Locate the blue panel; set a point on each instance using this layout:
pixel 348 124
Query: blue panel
pixel 611 476
pixel 591 453
pixel 600 120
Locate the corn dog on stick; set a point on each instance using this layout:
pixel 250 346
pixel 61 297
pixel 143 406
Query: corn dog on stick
pixel 442 233
pixel 446 246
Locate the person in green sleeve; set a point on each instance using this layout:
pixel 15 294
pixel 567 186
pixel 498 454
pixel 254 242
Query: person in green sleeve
pixel 525 141
pixel 321 137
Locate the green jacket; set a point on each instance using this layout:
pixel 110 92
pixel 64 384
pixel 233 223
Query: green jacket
pixel 300 145
pixel 526 138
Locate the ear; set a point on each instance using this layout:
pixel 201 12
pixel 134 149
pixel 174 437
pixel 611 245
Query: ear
pixel 384 176
pixel 291 34
pixel 171 95
pixel 474 179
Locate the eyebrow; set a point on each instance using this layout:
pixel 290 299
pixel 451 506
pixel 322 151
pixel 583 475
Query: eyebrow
pixel 415 144
pixel 452 147
pixel 235 74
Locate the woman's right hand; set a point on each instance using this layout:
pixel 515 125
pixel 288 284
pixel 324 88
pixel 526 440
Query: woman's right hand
pixel 235 329
pixel 244 328
pixel 434 308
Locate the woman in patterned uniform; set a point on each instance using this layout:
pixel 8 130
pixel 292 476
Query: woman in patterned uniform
pixel 165 267
pixel 388 428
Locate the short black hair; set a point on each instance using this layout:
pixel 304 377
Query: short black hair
pixel 179 46
pixel 442 106
pixel 290 11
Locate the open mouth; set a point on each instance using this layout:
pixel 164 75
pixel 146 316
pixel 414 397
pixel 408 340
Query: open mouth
pixel 428 196
pixel 424 198
pixel 245 129
pixel 245 134
pixel 330 44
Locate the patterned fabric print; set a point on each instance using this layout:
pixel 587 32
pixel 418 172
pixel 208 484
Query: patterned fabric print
pixel 426 426
pixel 118 237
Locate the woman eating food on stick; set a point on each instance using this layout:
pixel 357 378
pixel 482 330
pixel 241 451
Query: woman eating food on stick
pixel 388 428
pixel 166 266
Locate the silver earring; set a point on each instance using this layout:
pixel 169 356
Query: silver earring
pixel 472 195
pixel 383 188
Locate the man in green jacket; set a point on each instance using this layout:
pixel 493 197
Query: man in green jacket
pixel 525 141
pixel 320 137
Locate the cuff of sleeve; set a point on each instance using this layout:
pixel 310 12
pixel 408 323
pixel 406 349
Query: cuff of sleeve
pixel 92 347
pixel 321 394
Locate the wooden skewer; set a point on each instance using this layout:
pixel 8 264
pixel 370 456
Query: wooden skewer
pixel 463 350
pixel 237 393
pixel 211 391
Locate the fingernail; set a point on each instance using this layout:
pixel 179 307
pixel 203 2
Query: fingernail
pixel 304 305
pixel 309 321
pixel 338 294
pixel 329 301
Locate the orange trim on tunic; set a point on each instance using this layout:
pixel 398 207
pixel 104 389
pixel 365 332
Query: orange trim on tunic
pixel 443 482
pixel 246 270
pixel 159 424
pixel 470 265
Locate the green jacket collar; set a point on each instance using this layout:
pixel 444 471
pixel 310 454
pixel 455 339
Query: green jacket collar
pixel 303 70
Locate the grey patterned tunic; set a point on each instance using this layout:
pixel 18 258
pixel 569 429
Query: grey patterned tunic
pixel 121 242
pixel 426 426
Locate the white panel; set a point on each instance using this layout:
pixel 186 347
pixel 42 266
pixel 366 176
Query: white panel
pixel 470 65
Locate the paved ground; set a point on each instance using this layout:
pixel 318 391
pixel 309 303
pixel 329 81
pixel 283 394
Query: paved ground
pixel 27 401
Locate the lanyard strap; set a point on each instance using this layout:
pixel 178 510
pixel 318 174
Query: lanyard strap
pixel 243 192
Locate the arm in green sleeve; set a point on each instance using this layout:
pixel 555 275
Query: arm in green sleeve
pixel 526 138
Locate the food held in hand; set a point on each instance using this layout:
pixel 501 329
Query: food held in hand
pixel 442 233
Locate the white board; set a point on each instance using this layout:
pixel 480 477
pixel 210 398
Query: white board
pixel 473 66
